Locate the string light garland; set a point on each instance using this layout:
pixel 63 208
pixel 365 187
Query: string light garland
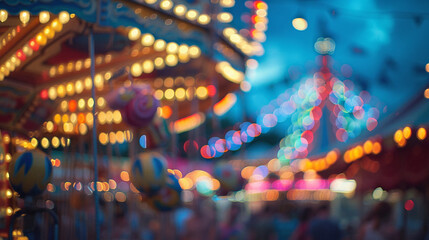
pixel 34 44
pixel 350 110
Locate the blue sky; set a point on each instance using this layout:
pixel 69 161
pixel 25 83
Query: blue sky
pixel 384 48
pixel 385 44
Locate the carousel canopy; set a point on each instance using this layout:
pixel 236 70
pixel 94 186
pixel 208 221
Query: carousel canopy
pixel 187 51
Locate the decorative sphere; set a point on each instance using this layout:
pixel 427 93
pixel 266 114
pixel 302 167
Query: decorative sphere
pixel 136 102
pixel 120 98
pixel 229 178
pixel 141 109
pixel 169 197
pixel 30 172
pixel 148 173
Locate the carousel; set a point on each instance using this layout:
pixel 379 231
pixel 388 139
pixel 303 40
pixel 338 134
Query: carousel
pixel 93 97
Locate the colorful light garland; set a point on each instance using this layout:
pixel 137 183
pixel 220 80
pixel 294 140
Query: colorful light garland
pixel 302 106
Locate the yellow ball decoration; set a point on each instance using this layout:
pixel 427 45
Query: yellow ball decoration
pixel 148 173
pixel 30 172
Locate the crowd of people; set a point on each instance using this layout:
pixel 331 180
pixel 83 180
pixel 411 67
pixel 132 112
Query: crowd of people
pixel 285 220
pixel 209 220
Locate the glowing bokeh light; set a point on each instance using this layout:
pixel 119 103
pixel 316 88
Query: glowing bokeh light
pixel 299 24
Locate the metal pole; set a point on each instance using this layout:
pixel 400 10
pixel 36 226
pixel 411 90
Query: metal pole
pixel 94 136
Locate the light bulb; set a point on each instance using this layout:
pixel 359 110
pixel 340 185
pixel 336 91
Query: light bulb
pixel 64 17
pixel 136 70
pixel 192 14
pixel 147 40
pixel 204 19
pixel 180 10
pixel 3 15
pixel 24 16
pixel 134 34
pixel 44 17
pixel 299 24
pixel 49 32
pixel 166 5
pixel 56 25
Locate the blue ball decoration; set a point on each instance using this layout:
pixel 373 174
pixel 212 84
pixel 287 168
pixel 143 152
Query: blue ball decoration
pixel 169 197
pixel 148 173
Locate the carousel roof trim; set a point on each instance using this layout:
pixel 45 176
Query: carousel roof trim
pixel 127 14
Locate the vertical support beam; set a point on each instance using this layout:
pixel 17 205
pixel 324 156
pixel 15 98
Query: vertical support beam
pixel 94 136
